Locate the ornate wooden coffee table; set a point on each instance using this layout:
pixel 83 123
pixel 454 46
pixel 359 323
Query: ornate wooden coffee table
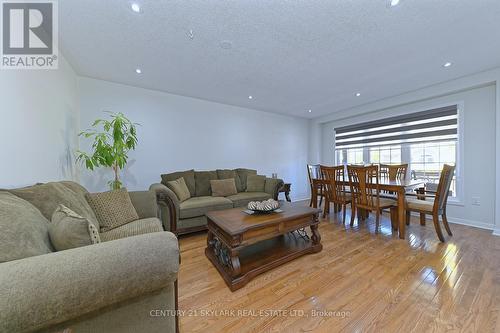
pixel 241 246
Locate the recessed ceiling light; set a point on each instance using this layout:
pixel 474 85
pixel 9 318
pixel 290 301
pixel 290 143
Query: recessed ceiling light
pixel 394 3
pixel 309 110
pixel 135 7
pixel 138 71
pixel 226 44
pixel 250 97
pixel 358 94
pixel 448 64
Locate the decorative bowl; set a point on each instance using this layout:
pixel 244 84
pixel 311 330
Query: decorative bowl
pixel 266 206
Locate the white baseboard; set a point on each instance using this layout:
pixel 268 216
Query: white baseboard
pixel 496 232
pixel 299 200
pixel 470 223
pixel 456 220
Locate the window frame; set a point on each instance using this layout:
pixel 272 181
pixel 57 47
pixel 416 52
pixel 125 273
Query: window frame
pixel 458 200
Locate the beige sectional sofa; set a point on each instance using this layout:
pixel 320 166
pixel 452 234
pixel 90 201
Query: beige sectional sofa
pixel 189 216
pixel 113 286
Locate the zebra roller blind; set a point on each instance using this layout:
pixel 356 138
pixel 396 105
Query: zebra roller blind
pixel 431 125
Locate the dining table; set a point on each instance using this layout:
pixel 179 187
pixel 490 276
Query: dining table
pixel 399 187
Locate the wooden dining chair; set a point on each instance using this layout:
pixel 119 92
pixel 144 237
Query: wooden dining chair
pixel 393 171
pixel 335 191
pixel 435 207
pixel 365 191
pixel 314 172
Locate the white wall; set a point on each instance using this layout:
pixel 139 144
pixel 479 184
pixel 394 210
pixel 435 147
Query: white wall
pixel 179 133
pixel 38 125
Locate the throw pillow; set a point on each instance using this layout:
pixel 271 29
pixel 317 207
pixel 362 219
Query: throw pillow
pixel 180 189
pixel 112 209
pixel 188 176
pixel 69 230
pixel 223 187
pixel 256 183
pixel 228 174
pixel 202 179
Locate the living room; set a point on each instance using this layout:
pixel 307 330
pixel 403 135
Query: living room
pixel 279 166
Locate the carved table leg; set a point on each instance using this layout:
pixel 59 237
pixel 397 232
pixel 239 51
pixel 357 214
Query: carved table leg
pixel 235 263
pixel 316 238
pixel 210 239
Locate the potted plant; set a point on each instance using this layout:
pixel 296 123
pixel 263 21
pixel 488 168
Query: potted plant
pixel 113 139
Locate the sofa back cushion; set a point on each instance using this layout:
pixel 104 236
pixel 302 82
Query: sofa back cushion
pixel 243 174
pixel 228 174
pixel 23 229
pixel 203 179
pixel 113 208
pixel 223 187
pixel 256 183
pixel 180 189
pixel 188 178
pixel 46 197
pixel 144 203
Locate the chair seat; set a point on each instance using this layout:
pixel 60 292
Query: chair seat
pixel 419 205
pixel 386 202
pixel 389 196
pixel 347 197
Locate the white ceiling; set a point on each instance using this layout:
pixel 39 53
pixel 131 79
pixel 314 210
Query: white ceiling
pixel 291 56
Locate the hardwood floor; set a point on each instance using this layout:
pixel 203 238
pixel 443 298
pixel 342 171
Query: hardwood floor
pixel 361 281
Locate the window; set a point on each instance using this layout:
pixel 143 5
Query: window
pixel 354 156
pixel 385 155
pixel 425 140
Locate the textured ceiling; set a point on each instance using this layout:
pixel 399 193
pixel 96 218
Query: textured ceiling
pixel 291 56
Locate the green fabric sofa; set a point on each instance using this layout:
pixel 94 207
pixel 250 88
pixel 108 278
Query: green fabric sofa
pixel 112 286
pixel 189 216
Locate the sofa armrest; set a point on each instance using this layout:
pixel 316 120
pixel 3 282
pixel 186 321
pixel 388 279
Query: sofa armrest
pixel 144 203
pixel 42 291
pixel 272 187
pixel 169 206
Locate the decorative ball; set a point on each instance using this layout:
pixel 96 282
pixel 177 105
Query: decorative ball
pixel 264 206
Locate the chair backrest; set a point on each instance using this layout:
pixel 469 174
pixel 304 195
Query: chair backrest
pixel 393 171
pixel 364 186
pixel 314 172
pixel 334 182
pixel 443 189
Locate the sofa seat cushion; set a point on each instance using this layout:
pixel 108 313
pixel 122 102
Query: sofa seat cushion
pixel 138 227
pixel 24 231
pixel 199 206
pixel 242 199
